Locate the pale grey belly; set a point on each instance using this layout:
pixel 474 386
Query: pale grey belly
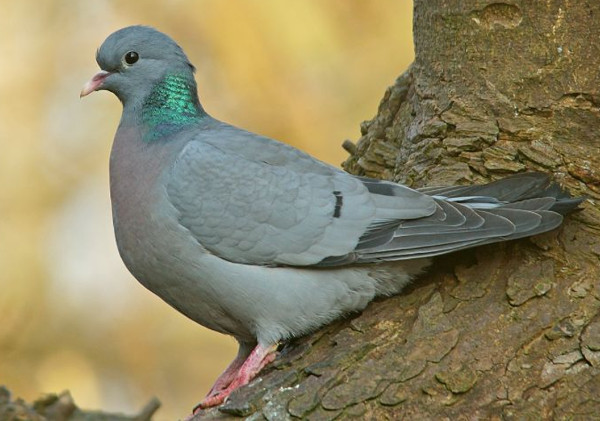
pixel 165 258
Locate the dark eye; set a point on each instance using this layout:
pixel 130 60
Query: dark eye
pixel 131 57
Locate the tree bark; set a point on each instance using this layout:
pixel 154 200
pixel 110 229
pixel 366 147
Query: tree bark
pixel 62 407
pixel 509 330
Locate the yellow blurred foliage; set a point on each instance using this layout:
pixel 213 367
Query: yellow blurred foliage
pixel 306 72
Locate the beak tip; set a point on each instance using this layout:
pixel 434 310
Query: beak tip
pixel 86 90
pixel 94 83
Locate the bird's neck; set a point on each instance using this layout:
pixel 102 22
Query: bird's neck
pixel 171 106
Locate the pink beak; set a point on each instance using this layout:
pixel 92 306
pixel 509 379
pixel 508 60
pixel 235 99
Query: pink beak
pixel 94 83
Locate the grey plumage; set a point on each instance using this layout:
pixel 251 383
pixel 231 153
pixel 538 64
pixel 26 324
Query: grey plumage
pixel 256 239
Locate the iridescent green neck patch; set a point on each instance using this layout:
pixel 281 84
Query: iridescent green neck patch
pixel 171 106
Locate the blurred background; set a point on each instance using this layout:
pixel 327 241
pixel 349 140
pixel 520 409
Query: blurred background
pixel 306 72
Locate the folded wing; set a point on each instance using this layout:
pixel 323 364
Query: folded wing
pixel 249 199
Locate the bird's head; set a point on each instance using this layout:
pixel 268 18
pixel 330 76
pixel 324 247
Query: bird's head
pixel 133 59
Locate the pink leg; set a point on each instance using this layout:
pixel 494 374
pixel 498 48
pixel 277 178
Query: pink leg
pixel 232 369
pixel 258 358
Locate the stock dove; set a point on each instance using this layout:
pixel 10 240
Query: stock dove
pixel 256 239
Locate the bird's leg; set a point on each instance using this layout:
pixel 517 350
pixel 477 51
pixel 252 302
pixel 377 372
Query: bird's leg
pixel 259 357
pixel 232 369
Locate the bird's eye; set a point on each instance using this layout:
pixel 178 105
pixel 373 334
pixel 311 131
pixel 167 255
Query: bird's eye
pixel 131 57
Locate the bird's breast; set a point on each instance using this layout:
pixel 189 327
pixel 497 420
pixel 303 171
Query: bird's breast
pixel 142 217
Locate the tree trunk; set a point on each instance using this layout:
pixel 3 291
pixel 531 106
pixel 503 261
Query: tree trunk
pixel 502 331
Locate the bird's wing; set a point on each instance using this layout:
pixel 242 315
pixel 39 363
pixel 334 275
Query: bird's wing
pixel 249 199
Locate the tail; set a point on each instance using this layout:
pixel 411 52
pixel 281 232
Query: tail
pixel 467 216
pixel 509 190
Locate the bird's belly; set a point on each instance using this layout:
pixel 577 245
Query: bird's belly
pixel 157 250
pixel 164 258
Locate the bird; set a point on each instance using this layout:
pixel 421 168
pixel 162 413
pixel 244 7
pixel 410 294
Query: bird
pixel 256 239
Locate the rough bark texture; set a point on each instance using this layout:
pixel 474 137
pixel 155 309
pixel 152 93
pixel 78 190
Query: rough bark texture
pixel 503 331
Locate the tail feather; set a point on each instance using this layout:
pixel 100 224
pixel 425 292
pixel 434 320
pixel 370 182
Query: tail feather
pixel 467 216
pixel 509 189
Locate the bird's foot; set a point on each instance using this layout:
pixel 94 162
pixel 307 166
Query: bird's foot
pixel 256 361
